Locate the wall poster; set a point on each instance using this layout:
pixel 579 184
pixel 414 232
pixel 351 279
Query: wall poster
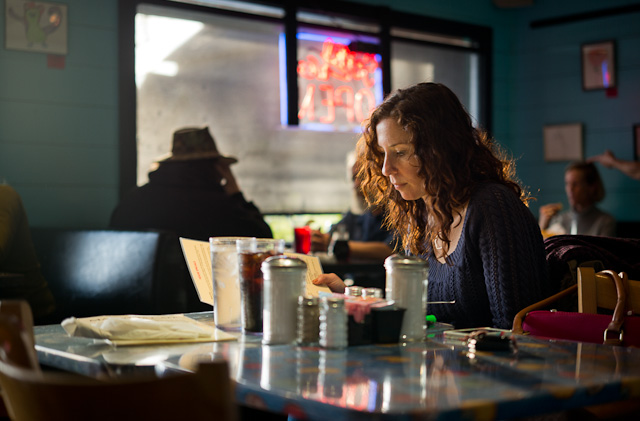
pixel 36 26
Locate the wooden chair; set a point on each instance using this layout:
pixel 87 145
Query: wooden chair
pixel 33 394
pixel 596 291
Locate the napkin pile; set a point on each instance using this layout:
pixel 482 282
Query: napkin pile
pixel 135 329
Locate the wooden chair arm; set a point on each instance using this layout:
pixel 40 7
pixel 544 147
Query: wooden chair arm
pixel 517 320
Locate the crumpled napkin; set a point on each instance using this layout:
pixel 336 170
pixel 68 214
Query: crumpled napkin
pixel 142 329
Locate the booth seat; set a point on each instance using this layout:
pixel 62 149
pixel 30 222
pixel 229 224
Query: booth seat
pixel 102 272
pixel 628 229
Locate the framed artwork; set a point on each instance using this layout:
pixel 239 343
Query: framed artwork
pixel 563 142
pixel 598 65
pixel 636 141
pixel 36 26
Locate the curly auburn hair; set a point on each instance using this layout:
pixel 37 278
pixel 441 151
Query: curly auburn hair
pixel 454 158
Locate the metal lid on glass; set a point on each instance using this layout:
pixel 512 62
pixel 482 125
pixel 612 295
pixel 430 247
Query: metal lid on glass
pixel 283 262
pixel 400 261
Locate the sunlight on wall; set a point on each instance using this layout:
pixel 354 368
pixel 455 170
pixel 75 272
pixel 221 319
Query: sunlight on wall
pixel 156 38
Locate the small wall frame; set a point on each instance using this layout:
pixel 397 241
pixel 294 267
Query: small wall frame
pixel 563 142
pixel 35 26
pixel 598 65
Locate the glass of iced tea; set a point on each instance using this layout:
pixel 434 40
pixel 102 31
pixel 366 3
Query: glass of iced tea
pixel 251 253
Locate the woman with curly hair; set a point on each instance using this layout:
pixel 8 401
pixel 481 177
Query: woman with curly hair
pixel 450 196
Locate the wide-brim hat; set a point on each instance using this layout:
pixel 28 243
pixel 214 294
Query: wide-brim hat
pixel 194 143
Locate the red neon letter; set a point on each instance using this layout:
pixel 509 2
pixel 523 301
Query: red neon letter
pixel 307 103
pixel 360 95
pixel 347 93
pixel 328 101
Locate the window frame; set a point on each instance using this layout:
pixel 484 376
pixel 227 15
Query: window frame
pixel 385 17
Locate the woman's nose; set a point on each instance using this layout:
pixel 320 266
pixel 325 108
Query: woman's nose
pixel 387 167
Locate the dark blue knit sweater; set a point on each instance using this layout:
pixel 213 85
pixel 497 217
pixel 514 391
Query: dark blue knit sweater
pixel 498 266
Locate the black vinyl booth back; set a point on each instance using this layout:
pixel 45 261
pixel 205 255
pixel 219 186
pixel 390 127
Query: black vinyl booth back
pixel 109 272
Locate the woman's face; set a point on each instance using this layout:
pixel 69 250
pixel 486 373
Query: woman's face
pixel 400 162
pixel 579 192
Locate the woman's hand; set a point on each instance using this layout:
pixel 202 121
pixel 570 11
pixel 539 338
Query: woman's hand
pixel 547 212
pixel 331 281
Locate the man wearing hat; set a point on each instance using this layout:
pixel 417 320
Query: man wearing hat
pixel 192 193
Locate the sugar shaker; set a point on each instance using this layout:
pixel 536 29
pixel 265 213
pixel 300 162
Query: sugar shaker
pixel 284 280
pixel 406 284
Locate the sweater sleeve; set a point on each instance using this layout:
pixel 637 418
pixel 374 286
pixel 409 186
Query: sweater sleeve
pixel 512 253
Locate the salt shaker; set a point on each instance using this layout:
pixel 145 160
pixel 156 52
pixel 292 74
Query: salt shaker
pixel 406 284
pixel 371 293
pixel 284 279
pixel 333 323
pixel 353 291
pixel 308 320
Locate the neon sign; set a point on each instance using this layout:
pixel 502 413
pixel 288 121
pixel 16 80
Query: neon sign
pixel 338 87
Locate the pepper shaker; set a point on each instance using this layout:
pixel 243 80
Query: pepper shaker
pixel 333 323
pixel 308 320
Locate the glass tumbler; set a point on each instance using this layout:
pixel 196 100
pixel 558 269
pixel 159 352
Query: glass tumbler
pixel 251 253
pixel 226 284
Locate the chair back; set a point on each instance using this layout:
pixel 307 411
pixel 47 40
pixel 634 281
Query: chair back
pixel 36 395
pixel 596 291
pixel 16 334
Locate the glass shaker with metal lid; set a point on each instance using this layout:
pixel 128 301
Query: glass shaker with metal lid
pixel 333 323
pixel 406 284
pixel 284 282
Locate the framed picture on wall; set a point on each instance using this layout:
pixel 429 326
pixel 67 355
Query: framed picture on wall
pixel 563 142
pixel 35 26
pixel 636 141
pixel 598 65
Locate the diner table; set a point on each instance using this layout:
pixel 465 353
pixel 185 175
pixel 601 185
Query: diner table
pixel 435 379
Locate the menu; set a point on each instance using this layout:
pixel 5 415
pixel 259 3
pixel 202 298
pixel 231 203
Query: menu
pixel 198 257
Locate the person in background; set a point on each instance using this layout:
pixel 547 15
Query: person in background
pixel 368 239
pixel 609 160
pixel 451 197
pixel 584 189
pixel 192 193
pixel 20 276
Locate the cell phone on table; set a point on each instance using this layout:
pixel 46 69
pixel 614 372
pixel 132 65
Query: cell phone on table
pixel 461 336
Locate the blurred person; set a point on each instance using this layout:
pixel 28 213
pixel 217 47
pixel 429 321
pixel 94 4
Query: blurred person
pixel 451 197
pixel 20 273
pixel 584 189
pixel 192 193
pixel 609 160
pixel 368 238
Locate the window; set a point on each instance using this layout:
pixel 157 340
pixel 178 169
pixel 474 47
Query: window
pixel 413 62
pixel 232 66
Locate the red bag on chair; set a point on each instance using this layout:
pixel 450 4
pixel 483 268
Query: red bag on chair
pixel 582 327
pixel 616 329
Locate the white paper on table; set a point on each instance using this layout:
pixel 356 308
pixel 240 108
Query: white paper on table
pixel 136 329
pixel 198 257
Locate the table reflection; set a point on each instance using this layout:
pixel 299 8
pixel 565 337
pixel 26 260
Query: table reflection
pixel 433 378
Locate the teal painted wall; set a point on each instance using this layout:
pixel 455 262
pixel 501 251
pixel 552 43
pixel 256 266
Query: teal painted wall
pixel 546 88
pixel 59 127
